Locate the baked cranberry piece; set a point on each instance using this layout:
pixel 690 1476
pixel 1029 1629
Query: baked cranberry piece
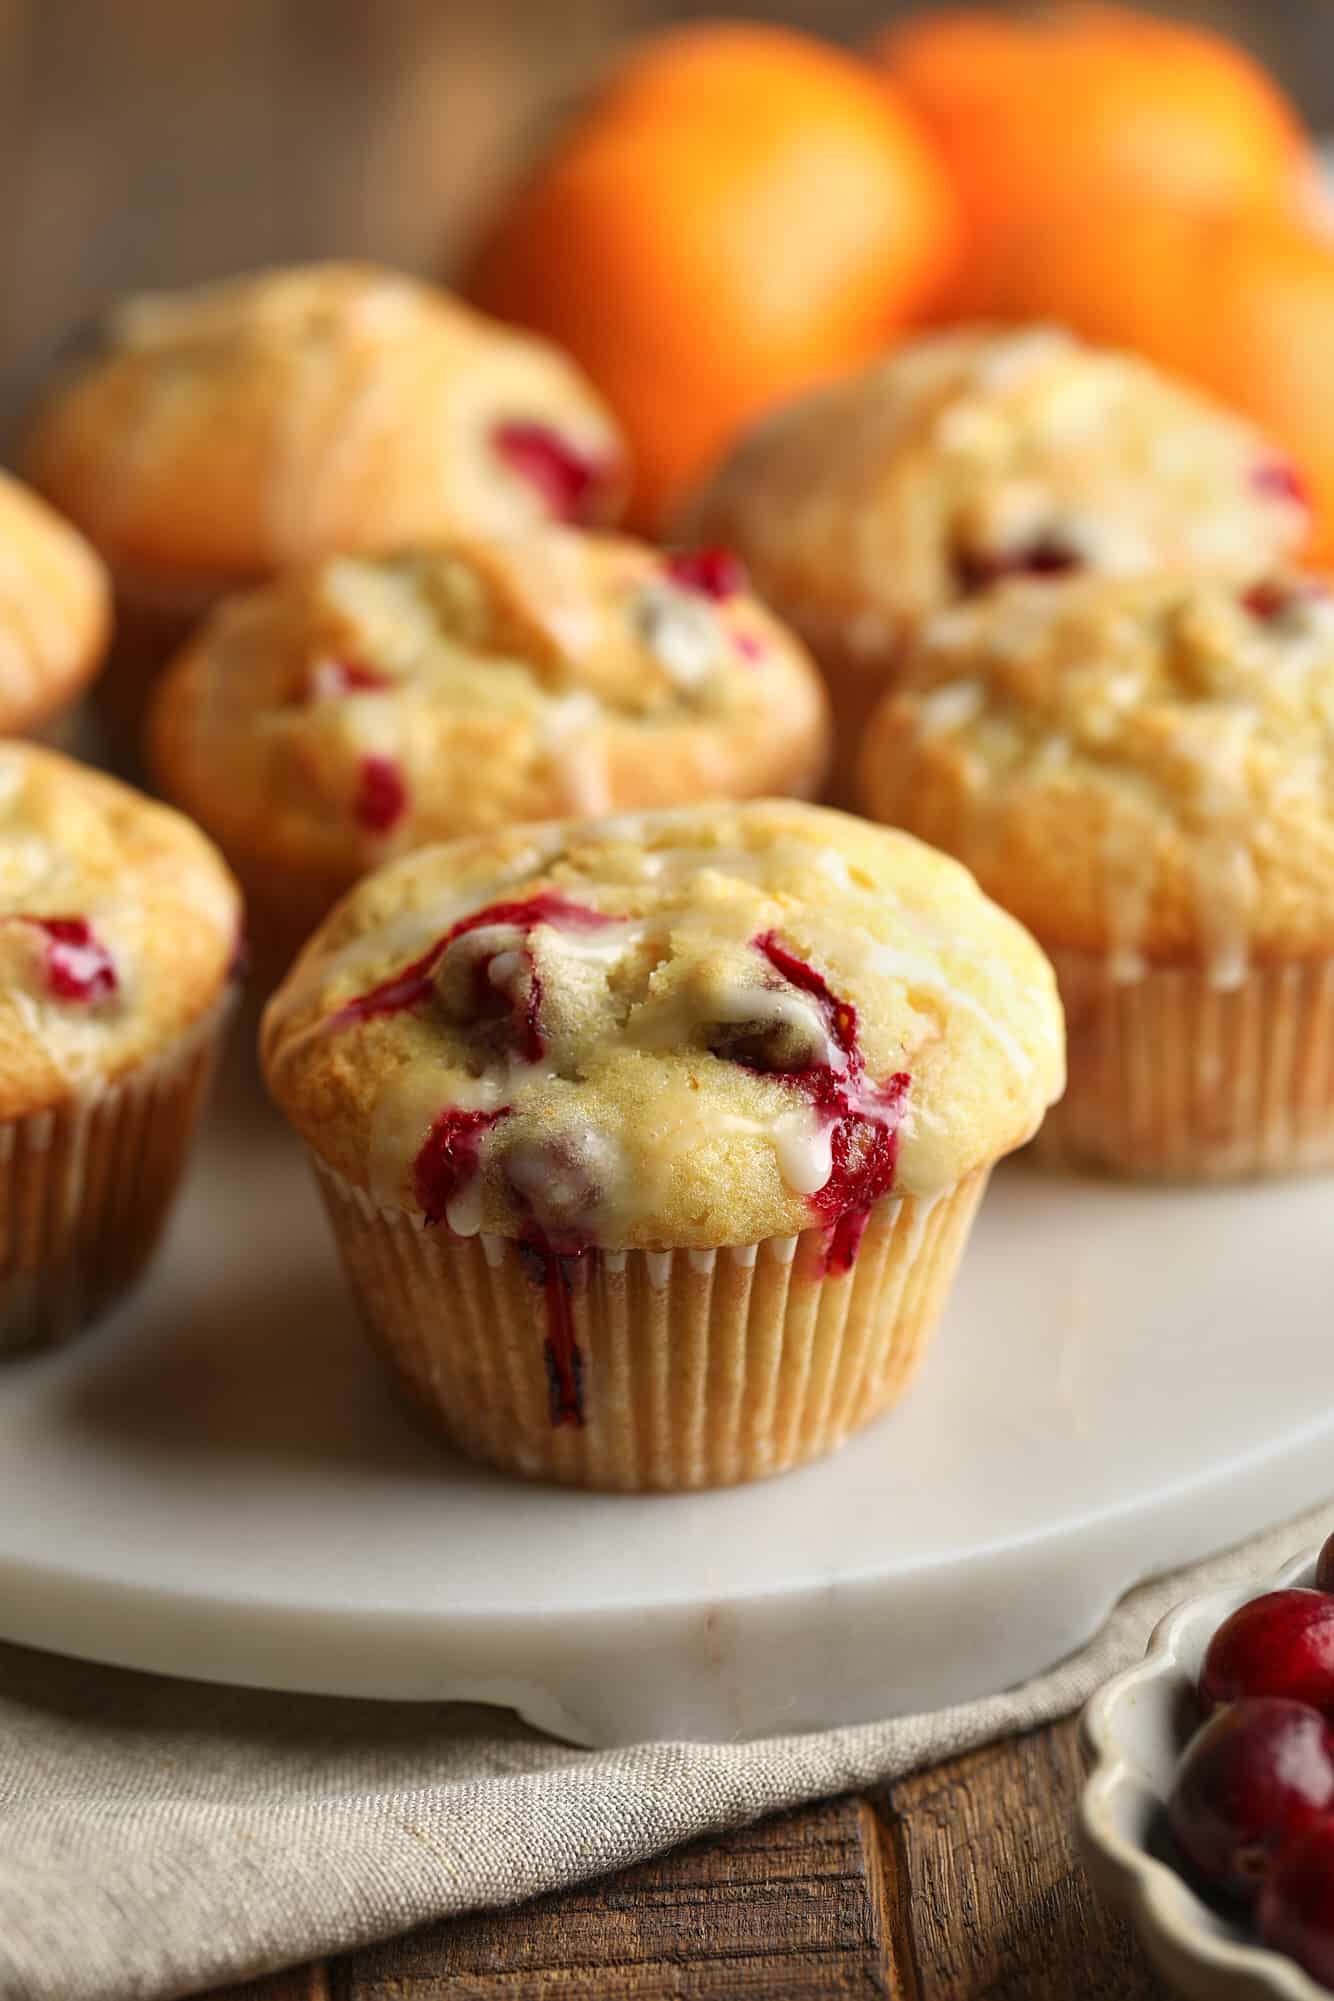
pixel 449 1158
pixel 1324 1570
pixel 569 480
pixel 1255 1775
pixel 330 680
pixel 1048 556
pixel 1296 1907
pixel 1279 479
pixel 78 966
pixel 382 795
pixel 1279 1644
pixel 714 573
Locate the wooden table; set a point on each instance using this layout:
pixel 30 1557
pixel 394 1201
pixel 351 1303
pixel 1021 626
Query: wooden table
pixel 959 1884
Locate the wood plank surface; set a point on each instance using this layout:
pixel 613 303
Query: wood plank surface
pixel 960 1884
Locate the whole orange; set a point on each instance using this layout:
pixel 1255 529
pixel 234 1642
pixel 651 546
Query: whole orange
pixel 1086 103
pixel 738 213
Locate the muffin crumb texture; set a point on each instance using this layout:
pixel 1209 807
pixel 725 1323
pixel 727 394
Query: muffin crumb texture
pixel 1142 770
pixel 118 927
pixel 689 1029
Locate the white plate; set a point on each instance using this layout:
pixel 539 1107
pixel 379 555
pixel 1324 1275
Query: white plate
pixel 1135 1730
pixel 218 1483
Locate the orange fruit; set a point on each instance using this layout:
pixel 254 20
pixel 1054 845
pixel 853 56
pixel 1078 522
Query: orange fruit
pixel 1087 103
pixel 739 212
pixel 1243 304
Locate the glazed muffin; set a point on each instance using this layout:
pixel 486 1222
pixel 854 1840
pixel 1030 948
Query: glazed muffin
pixel 211 438
pixel 651 1144
pixel 364 707
pixel 972 456
pixel 55 614
pixel 119 927
pixel 1143 772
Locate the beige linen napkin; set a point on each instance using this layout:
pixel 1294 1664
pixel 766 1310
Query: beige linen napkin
pixel 158 1837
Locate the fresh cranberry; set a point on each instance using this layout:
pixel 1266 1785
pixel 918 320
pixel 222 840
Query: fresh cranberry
pixel 1296 1908
pixel 329 680
pixel 1280 1644
pixel 1279 479
pixel 414 984
pixel 1256 1774
pixel 1048 556
pixel 449 1159
pixel 570 481
pixel 1324 1570
pixel 382 795
pixel 714 573
pixel 78 966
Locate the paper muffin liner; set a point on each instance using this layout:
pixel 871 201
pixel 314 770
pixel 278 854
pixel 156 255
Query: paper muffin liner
pixel 86 1188
pixel 1172 1077
pixel 660 1370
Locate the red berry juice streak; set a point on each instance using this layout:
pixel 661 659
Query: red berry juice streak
pixel 864 1148
pixel 450 1156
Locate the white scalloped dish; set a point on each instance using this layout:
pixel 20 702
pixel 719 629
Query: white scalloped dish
pixel 1135 1729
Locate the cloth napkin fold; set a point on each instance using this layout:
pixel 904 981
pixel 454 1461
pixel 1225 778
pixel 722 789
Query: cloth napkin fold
pixel 160 1837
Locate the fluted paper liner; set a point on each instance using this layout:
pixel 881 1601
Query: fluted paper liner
pixel 697 1368
pixel 85 1190
pixel 1172 1077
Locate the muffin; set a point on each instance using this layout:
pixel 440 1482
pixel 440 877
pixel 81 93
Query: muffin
pixel 972 456
pixel 55 615
pixel 118 938
pixel 211 438
pixel 650 1144
pixel 367 706
pixel 1142 771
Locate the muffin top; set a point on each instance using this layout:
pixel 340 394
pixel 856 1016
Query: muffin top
pixel 364 707
pixel 975 455
pixel 244 426
pixel 1137 767
pixel 118 927
pixel 54 609
pixel 691 1028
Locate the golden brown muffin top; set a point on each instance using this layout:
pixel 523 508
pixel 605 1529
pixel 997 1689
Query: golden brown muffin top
pixel 232 430
pixel 119 925
pixel 361 708
pixel 970 456
pixel 691 1028
pixel 55 609
pixel 1142 768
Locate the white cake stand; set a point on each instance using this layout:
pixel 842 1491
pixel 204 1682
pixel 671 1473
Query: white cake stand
pixel 219 1484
